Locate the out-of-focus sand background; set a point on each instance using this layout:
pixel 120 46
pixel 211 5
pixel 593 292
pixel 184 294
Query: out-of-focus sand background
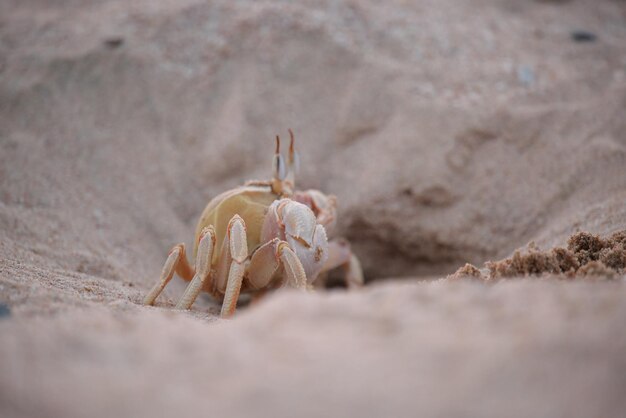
pixel 451 131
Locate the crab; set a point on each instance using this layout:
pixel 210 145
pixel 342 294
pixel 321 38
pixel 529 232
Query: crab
pixel 269 234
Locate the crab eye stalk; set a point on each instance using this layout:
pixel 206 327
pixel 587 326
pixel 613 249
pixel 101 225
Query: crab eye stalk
pixel 278 163
pixel 294 157
pixel 295 163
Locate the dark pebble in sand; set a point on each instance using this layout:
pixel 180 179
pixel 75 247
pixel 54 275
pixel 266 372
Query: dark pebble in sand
pixel 5 311
pixel 583 36
pixel 114 42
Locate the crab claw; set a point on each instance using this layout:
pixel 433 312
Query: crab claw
pixel 298 220
pixel 324 207
pixel 295 223
pixel 314 257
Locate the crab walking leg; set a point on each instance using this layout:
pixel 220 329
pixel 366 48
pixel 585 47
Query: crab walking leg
pixel 353 273
pixel 176 262
pixel 238 247
pixel 296 277
pixel 264 264
pixel 340 255
pixel 266 261
pixel 203 268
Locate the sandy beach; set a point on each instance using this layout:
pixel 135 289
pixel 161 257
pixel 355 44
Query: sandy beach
pixel 477 150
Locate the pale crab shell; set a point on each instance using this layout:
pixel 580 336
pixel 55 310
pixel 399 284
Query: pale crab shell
pixel 288 220
pixel 249 202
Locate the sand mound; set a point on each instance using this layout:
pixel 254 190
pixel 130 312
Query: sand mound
pixel 393 350
pixel 585 255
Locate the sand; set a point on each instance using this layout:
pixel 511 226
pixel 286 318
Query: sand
pixel 452 132
pixel 586 256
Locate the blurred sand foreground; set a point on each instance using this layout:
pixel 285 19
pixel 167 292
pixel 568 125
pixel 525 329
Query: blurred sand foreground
pixel 451 131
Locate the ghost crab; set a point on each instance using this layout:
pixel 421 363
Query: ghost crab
pixel 270 236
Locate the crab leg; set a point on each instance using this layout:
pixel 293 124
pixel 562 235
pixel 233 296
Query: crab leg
pixel 264 265
pixel 296 277
pixel 266 261
pixel 203 268
pixel 238 248
pixel 176 262
pixel 340 255
pixel 353 273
